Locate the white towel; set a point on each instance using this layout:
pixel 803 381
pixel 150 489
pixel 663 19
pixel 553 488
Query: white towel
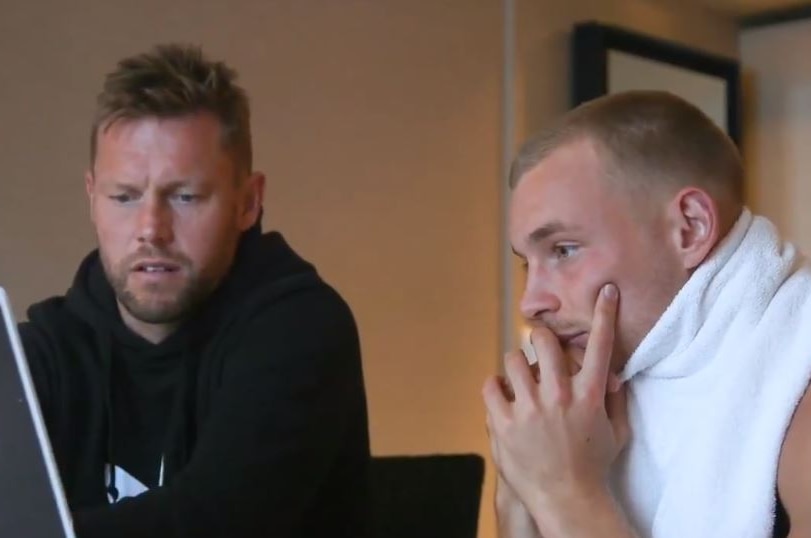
pixel 712 389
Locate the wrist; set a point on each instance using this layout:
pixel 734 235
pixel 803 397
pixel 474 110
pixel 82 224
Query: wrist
pixel 582 511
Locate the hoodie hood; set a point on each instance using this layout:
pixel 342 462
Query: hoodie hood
pixel 260 259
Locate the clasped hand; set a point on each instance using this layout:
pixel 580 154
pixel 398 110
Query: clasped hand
pixel 554 436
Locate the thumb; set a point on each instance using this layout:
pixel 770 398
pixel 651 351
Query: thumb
pixel 617 410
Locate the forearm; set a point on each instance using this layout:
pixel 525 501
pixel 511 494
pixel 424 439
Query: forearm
pixel 585 517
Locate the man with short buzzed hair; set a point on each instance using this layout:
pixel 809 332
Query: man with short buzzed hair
pixel 671 329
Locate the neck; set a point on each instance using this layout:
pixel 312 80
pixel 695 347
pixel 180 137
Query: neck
pixel 151 332
pixel 719 289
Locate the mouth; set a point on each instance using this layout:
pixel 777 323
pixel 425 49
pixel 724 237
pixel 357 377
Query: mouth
pixel 578 340
pixel 155 267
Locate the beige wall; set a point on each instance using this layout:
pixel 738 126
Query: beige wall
pixel 379 125
pixel 777 125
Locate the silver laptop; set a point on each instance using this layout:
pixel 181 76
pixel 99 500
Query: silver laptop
pixel 32 501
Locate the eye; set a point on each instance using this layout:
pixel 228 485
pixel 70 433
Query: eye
pixel 187 198
pixel 122 198
pixel 564 251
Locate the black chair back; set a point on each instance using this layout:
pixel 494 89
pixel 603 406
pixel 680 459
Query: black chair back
pixel 426 496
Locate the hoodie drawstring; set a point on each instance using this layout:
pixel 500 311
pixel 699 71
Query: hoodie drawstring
pixel 106 348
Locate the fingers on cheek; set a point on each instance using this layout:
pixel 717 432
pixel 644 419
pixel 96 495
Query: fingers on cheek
pixel 608 317
pixel 606 305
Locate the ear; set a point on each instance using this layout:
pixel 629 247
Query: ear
pixel 89 184
pixel 694 225
pixel 253 193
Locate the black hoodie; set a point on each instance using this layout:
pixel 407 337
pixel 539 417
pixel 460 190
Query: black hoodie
pixel 255 406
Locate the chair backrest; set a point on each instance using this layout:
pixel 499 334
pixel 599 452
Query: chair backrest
pixel 426 496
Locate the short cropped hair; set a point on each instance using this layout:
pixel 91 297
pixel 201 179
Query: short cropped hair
pixel 172 81
pixel 649 138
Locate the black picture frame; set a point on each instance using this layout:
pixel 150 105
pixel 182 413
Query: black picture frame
pixel 592 41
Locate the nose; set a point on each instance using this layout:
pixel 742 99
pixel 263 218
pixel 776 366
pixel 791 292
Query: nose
pixel 154 222
pixel 538 299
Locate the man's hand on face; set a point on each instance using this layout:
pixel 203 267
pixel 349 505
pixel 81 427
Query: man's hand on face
pixel 554 438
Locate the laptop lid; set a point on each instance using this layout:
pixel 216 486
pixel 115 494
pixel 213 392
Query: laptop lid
pixel 32 501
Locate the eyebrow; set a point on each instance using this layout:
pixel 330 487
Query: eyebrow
pixel 539 234
pixel 542 232
pixel 170 186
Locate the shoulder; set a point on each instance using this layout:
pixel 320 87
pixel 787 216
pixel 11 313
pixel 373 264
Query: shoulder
pixel 51 323
pixel 297 322
pixel 47 322
pixel 794 474
pixel 301 301
pixel 54 342
pixel 57 343
pixel 272 287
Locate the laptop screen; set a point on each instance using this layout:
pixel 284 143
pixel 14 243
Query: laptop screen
pixel 31 500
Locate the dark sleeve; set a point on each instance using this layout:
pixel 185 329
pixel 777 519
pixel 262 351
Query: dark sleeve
pixel 291 395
